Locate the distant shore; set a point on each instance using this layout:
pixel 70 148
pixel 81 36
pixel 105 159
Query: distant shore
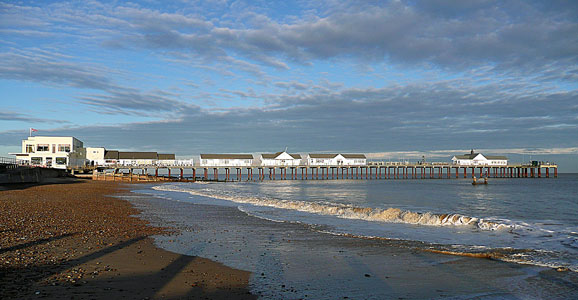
pixel 71 239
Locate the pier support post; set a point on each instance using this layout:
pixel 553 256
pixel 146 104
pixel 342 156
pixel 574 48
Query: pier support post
pixel 556 172
pixel 194 175
pixel 206 175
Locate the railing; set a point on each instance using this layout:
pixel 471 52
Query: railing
pixel 8 161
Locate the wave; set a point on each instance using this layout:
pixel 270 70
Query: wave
pixel 391 215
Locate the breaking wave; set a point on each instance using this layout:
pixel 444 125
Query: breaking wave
pixel 391 215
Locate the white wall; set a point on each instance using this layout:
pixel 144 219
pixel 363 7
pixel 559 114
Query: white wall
pixel 52 151
pixel 480 162
pixel 226 162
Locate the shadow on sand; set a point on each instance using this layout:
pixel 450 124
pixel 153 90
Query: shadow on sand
pixel 166 282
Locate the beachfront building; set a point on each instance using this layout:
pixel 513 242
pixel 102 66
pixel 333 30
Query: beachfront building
pixel 354 159
pixel 478 159
pixel 60 152
pixel 229 160
pixel 279 159
pixel 99 156
pixel 336 159
pixel 95 156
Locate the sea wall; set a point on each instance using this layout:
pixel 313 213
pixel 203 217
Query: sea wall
pixel 29 174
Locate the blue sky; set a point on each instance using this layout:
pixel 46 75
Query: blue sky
pixel 394 79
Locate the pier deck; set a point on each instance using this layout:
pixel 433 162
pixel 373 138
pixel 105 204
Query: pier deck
pixel 371 171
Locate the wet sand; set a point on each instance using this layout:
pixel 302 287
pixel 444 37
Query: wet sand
pixel 71 239
pixel 300 261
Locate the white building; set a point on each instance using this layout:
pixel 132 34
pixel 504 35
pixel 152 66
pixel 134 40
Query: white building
pixel 280 159
pixel 99 156
pixel 478 159
pixel 58 152
pixel 95 155
pixel 226 160
pixel 336 159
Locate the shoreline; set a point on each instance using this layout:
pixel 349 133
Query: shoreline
pixel 292 260
pixel 72 239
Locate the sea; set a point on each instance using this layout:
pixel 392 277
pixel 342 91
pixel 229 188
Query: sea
pixel 521 221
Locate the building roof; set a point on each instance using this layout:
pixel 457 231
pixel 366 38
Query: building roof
pixel 275 155
pixel 226 156
pixel 467 156
pixel 111 154
pixel 353 155
pixel 473 155
pixel 137 155
pixel 316 155
pixel 166 156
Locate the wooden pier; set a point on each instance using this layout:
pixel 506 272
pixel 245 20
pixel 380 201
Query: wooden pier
pixel 371 171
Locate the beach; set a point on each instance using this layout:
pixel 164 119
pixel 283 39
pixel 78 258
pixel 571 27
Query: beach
pixel 71 239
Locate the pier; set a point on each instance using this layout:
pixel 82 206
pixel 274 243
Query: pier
pixel 371 171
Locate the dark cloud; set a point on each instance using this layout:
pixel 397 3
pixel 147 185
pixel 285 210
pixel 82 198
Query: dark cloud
pixel 418 117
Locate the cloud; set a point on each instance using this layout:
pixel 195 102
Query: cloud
pixel 509 36
pixel 38 67
pixel 128 101
pixel 421 117
pixel 14 116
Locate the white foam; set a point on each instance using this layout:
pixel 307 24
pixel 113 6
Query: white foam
pixel 392 215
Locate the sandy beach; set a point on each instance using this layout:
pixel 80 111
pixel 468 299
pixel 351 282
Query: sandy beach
pixel 71 239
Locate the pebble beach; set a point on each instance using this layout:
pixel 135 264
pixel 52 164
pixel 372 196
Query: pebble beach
pixel 73 239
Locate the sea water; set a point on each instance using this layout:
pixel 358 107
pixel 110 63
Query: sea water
pixel 522 220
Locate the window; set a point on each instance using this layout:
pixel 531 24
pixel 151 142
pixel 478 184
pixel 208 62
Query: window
pixel 61 160
pixel 63 147
pixel 36 160
pixel 43 147
pixel 29 148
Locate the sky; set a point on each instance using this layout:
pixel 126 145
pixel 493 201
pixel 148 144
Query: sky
pixel 396 80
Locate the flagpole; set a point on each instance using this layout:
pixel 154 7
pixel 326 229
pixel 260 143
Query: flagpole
pixel 30 132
